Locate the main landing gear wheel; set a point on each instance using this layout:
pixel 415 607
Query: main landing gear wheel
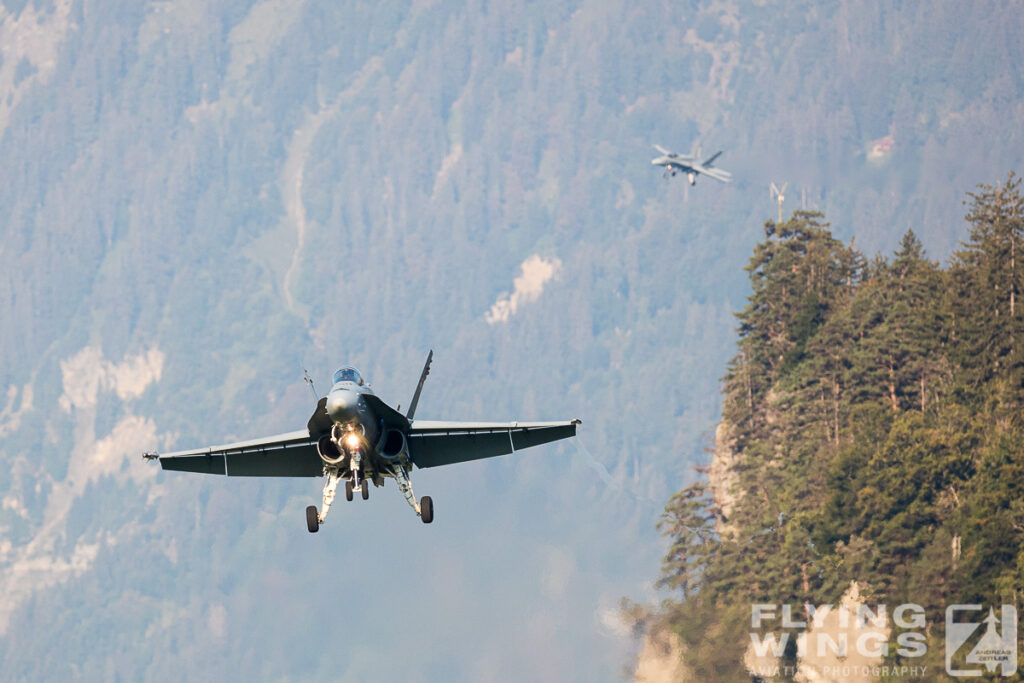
pixel 348 490
pixel 312 519
pixel 426 509
pixel 366 491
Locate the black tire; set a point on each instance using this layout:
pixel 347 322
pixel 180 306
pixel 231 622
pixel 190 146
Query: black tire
pixel 426 509
pixel 312 519
pixel 366 490
pixel 348 490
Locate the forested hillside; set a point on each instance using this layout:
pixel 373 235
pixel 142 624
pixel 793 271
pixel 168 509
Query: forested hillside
pixel 198 200
pixel 872 432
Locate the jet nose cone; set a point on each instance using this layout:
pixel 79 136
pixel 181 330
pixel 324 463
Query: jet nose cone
pixel 341 405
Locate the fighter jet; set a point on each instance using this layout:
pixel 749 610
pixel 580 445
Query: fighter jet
pixel 690 165
pixel 353 436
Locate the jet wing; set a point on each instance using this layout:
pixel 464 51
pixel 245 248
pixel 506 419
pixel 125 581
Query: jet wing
pixel 443 443
pixel 285 455
pixel 716 173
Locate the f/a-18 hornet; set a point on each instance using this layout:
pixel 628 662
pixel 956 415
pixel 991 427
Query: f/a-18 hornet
pixel 690 164
pixel 356 437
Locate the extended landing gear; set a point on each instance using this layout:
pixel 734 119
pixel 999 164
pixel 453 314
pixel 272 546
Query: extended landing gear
pixel 358 482
pixel 362 488
pixel 314 520
pixel 425 508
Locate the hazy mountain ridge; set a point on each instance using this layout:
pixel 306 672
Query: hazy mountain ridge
pixel 155 187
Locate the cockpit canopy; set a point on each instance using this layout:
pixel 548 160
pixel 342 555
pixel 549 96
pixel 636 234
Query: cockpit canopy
pixel 347 374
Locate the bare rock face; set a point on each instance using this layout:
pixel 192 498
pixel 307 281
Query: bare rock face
pixel 722 479
pixel 858 639
pixel 661 658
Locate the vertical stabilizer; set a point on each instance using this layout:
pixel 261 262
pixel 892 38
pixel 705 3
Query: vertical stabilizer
pixel 419 387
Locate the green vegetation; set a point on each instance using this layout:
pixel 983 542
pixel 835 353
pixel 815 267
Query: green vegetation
pixel 874 429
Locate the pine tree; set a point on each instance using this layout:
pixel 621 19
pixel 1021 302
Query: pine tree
pixel 988 275
pixel 689 520
pixel 798 275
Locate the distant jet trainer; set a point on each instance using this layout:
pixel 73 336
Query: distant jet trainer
pixel 690 165
pixel 356 437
